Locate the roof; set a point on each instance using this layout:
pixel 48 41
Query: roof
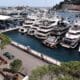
pixel 3 17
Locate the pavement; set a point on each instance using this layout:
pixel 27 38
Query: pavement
pixel 30 62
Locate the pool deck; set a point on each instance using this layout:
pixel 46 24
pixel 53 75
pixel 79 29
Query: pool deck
pixel 30 62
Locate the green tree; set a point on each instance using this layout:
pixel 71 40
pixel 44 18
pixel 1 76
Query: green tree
pixel 38 73
pixel 67 71
pixel 65 78
pixel 77 2
pixel 16 65
pixel 4 40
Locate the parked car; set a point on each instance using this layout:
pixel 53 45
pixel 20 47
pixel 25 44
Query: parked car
pixel 8 55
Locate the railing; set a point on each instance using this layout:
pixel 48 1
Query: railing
pixel 38 54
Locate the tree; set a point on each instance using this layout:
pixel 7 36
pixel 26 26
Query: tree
pixel 4 40
pixel 67 71
pixel 38 73
pixel 65 78
pixel 16 65
pixel 77 2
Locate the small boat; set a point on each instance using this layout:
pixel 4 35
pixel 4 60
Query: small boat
pixel 51 41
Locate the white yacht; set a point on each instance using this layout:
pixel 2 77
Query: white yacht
pixel 72 37
pixel 28 23
pixel 43 29
pixel 46 26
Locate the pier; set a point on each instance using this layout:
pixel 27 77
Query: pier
pixel 37 54
pixel 10 29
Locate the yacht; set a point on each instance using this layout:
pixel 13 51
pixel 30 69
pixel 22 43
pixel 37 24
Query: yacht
pixel 28 24
pixel 52 41
pixel 61 28
pixel 72 37
pixel 43 29
pixel 46 26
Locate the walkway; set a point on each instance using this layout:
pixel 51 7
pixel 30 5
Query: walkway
pixel 29 62
pixel 35 53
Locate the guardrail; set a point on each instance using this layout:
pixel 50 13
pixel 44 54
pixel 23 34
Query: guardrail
pixel 38 54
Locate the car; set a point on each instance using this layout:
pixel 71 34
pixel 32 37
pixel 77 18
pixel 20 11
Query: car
pixel 8 55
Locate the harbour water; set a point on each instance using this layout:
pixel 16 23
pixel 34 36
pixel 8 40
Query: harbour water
pixel 59 53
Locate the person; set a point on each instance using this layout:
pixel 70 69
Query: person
pixel 42 56
pixel 28 48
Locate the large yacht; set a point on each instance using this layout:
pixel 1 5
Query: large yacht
pixel 28 24
pixel 72 37
pixel 46 26
pixel 43 29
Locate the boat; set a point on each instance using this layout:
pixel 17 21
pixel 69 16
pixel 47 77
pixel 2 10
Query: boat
pixel 43 29
pixel 61 28
pixel 28 23
pixel 51 41
pixel 72 37
pixel 46 26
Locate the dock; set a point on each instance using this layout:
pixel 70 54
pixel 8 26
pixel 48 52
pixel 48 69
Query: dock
pixel 10 29
pixel 37 54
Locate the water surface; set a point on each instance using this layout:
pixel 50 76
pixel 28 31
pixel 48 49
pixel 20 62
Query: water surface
pixel 60 53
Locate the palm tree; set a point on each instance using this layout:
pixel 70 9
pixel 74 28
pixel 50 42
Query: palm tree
pixel 4 40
